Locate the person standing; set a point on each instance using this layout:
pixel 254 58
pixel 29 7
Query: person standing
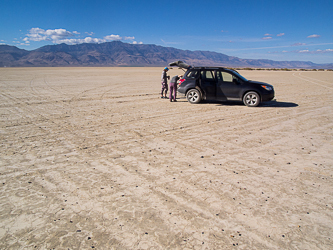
pixel 164 79
pixel 173 88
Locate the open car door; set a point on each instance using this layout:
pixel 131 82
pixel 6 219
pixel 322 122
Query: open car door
pixel 180 64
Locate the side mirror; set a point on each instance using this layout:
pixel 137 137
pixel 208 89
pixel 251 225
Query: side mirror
pixel 235 81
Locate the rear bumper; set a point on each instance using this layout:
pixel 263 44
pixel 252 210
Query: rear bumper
pixel 181 90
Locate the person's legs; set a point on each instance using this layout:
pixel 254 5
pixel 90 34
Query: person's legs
pixel 166 90
pixel 163 88
pixel 171 91
pixel 175 93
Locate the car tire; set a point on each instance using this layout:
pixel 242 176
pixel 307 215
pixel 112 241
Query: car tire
pixel 193 96
pixel 251 99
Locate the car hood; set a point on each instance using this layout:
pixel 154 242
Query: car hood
pixel 180 64
pixel 260 83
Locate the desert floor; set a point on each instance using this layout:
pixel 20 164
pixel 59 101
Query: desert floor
pixel 93 158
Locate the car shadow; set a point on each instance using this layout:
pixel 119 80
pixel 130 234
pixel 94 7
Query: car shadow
pixel 276 104
pixel 271 104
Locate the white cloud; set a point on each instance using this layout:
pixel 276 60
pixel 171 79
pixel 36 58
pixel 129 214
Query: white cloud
pixel 113 38
pixel 37 34
pixel 91 40
pixel 314 36
pixel 74 41
pixel 281 34
pixel 58 34
pixel 63 36
pixel 267 34
pixel 266 38
pixel 70 41
pixel 318 51
pixel 298 44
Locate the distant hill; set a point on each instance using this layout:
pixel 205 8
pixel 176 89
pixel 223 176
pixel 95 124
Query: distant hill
pixel 117 53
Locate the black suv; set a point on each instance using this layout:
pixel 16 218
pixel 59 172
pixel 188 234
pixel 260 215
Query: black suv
pixel 217 83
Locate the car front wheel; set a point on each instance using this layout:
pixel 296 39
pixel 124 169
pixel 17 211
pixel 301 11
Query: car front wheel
pixel 251 99
pixel 193 96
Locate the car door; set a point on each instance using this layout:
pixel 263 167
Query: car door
pixel 228 86
pixel 208 83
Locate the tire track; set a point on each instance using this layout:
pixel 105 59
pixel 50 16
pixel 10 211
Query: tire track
pixel 314 81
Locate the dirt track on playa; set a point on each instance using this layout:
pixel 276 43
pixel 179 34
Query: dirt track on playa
pixel 93 158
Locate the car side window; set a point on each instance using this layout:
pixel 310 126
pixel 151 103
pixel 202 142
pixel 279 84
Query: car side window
pixel 207 74
pixel 227 77
pixel 192 74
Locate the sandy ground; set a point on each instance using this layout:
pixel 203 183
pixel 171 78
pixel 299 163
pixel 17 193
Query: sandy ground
pixel 93 158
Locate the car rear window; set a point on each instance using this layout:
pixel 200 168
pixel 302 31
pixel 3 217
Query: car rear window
pixel 192 74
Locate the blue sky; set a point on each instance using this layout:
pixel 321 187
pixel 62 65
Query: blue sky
pixel 281 30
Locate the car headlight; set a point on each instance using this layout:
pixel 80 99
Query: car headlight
pixel 269 88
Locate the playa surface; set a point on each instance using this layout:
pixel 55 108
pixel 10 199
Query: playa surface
pixel 93 158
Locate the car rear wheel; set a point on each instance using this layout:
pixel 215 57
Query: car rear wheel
pixel 193 96
pixel 251 99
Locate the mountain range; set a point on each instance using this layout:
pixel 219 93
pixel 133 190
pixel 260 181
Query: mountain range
pixel 117 53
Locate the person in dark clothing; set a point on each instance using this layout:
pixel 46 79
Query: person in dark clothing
pixel 164 79
pixel 173 88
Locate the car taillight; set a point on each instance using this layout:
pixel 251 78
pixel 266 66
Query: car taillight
pixel 181 81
